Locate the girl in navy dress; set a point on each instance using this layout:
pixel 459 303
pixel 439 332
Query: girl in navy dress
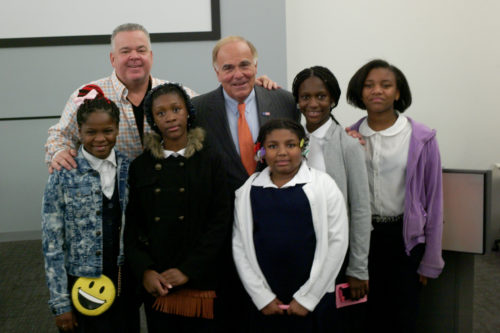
pixel 290 235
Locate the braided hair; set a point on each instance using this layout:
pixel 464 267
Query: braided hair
pixel 328 79
pixel 163 89
pixel 99 104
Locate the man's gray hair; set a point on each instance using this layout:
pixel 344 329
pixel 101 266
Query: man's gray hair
pixel 128 27
pixel 231 39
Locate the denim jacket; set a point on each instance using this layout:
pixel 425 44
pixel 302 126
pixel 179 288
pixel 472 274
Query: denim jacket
pixel 72 226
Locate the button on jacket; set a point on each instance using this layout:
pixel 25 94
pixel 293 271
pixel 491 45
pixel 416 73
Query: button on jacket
pixel 179 212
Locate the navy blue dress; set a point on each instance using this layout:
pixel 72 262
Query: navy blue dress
pixel 285 243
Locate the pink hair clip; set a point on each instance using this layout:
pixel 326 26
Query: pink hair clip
pixel 91 95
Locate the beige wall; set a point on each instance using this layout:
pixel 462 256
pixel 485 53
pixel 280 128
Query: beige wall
pixel 448 50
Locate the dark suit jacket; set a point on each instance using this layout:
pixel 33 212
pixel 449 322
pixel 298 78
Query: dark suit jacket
pixel 211 115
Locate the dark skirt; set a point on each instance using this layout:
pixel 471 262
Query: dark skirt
pixel 394 281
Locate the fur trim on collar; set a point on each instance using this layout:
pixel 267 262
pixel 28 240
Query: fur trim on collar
pixel 196 136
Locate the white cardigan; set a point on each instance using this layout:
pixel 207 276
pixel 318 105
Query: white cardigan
pixel 331 229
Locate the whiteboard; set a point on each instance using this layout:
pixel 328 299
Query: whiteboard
pixel 70 22
pixel 466 209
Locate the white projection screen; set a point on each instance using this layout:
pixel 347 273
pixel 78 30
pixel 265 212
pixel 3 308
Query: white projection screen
pixel 70 22
pixel 467 209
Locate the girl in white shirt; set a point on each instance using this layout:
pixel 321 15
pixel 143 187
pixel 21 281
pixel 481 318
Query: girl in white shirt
pixel 317 92
pixel 289 236
pixel 404 173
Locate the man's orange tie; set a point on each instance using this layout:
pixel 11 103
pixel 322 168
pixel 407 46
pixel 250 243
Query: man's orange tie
pixel 245 141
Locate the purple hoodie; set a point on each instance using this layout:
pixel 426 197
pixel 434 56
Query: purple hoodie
pixel 423 211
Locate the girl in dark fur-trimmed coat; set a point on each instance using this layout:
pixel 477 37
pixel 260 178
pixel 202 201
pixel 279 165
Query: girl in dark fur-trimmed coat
pixel 178 216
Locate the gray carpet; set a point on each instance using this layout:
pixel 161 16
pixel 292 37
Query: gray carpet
pixel 23 292
pixel 487 293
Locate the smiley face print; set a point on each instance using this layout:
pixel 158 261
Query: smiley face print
pixel 93 296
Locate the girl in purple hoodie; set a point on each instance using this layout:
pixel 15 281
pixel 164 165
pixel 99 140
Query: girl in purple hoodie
pixel 404 173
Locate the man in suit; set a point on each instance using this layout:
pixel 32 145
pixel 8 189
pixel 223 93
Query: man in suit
pixel 232 115
pixel 235 63
pixel 132 59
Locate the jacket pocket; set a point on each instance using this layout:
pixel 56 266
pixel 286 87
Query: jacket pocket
pixel 421 218
pixel 79 202
pixel 424 215
pixel 80 222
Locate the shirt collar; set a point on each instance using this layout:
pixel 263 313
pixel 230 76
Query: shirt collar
pixel 233 104
pixel 119 86
pixel 303 176
pixel 122 89
pixel 396 128
pixel 320 132
pixel 96 162
pixel 168 153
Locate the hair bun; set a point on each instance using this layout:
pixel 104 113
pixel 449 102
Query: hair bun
pixel 88 88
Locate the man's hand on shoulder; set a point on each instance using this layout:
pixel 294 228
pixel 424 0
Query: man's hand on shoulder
pixel 63 159
pixel 266 82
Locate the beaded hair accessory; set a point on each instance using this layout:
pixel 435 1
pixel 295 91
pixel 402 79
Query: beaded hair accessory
pixel 304 146
pixel 259 152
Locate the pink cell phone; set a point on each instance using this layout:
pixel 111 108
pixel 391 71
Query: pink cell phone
pixel 343 296
pixel 284 306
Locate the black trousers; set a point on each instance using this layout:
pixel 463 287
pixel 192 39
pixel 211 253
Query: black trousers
pixel 394 282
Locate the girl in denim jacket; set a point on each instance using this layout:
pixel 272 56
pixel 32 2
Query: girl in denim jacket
pixel 82 225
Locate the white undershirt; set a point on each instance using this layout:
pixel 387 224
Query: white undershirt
pixel 315 158
pixel 386 158
pixel 107 170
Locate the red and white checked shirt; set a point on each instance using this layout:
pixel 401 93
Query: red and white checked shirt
pixel 64 134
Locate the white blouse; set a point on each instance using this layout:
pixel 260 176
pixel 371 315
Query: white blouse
pixel 107 171
pixel 386 158
pixel 315 158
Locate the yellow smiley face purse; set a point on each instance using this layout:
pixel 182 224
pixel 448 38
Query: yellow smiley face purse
pixel 93 296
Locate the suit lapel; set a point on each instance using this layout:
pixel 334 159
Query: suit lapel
pixel 222 128
pixel 264 105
